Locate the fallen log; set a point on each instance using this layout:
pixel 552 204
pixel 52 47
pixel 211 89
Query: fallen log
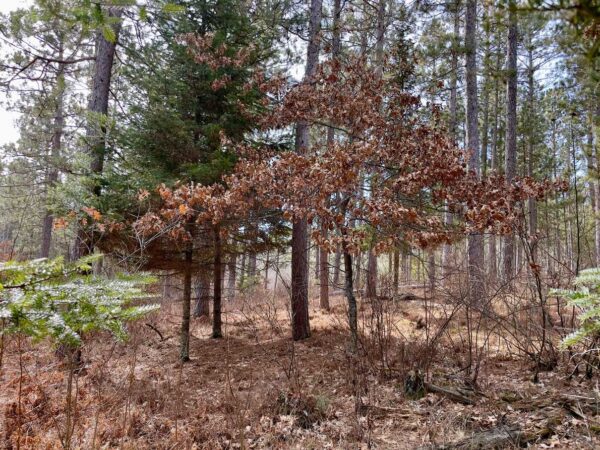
pixel 458 395
pixel 496 438
pixel 576 405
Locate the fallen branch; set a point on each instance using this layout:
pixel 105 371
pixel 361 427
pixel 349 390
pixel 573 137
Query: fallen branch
pixel 152 327
pixel 500 437
pixel 457 395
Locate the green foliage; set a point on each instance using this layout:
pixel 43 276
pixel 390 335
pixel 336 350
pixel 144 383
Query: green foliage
pixel 47 298
pixel 586 296
pixel 174 127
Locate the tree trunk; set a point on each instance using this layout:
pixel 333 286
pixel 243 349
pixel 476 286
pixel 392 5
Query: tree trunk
pixel 475 254
pixel 299 284
pixel 252 265
pixel 492 249
pixel 231 275
pixel 98 111
pixel 324 275
pixel 447 248
pixel 184 354
pixel 266 278
pixel 349 290
pixel 431 269
pixel 56 149
pixel 202 308
pixel 371 286
pixel 510 160
pixel 531 202
pixel 396 269
pixel 217 332
pixel 317 262
pixel 595 126
pixel 336 267
pixel 243 270
pixel 358 270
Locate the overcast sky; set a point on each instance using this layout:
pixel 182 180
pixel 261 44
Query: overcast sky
pixel 8 129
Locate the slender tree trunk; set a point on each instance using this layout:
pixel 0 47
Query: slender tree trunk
pixel 231 275
pixel 431 269
pixel 217 332
pixel 577 243
pixel 486 99
pixel 317 262
pixel 493 256
pixel 336 267
pixel 447 248
pixel 358 269
pixel 98 111
pixel 243 270
pixel 348 285
pixel 184 354
pixel 202 308
pixel 56 149
pixel 396 269
pixel 371 287
pixel 510 160
pixel 324 275
pixel 531 202
pixel 591 171
pixel 266 279
pixel 299 284
pixel 475 253
pixel 252 264
pixel 595 126
pixel 324 269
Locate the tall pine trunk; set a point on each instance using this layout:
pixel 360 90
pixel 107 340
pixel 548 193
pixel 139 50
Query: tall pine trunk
pixel 98 111
pixel 299 284
pixel 510 157
pixel 447 248
pixel 55 151
pixel 475 255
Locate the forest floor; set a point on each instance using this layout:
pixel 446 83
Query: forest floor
pixel 257 389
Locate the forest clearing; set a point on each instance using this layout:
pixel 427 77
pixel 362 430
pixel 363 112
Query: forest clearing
pixel 299 224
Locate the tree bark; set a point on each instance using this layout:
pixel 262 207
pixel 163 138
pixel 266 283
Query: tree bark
pixel 252 264
pixel 595 126
pixel 299 284
pixel 492 249
pixel 336 267
pixel 56 149
pixel 243 270
pixel 231 275
pixel 371 288
pixel 447 248
pixel 217 331
pixel 475 254
pixel 266 278
pixel 184 353
pixel 531 202
pixel 98 111
pixel 324 275
pixel 396 269
pixel 510 160
pixel 202 308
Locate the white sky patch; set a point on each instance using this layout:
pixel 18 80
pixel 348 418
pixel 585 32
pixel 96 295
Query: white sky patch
pixel 9 131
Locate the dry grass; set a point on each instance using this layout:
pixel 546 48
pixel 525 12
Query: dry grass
pixel 258 389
